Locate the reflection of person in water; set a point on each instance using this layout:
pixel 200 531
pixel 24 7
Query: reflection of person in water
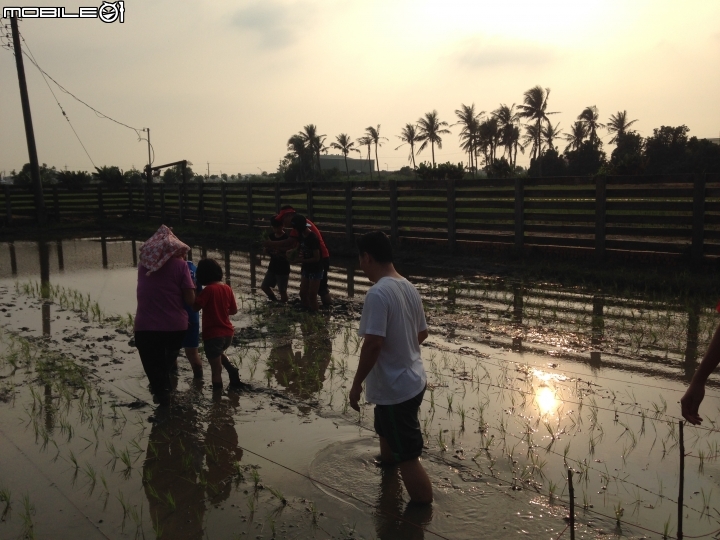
pixel 303 373
pixel 184 465
pixel 390 507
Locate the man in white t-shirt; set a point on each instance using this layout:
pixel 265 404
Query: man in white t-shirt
pixel 393 325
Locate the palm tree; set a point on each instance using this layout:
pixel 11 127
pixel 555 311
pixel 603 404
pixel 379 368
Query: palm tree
pixel 533 138
pixel 489 135
pixel 409 135
pixel 366 141
pixel 534 108
pixel 618 125
pixel 550 133
pixel 511 140
pixel 313 142
pixel 507 118
pixel 590 117
pixel 345 145
pixel 430 128
pixel 577 135
pixel 470 122
pixel 374 134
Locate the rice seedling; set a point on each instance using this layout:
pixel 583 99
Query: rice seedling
pixel 255 475
pixel 278 495
pixel 619 511
pixel 26 515
pixel 157 527
pixel 666 529
pixel 6 499
pixel 170 501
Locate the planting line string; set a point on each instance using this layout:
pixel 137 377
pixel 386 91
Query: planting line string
pixel 51 483
pixel 563 532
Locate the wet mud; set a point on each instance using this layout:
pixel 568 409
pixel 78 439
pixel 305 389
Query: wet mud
pixel 524 382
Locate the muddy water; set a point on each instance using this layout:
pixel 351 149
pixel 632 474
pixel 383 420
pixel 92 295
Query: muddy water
pixel 524 380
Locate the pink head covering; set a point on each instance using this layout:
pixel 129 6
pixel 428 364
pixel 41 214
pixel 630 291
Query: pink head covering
pixel 160 248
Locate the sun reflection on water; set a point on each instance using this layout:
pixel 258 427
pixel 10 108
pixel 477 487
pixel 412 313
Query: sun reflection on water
pixel 546 400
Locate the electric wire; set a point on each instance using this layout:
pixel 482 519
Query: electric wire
pixel 56 100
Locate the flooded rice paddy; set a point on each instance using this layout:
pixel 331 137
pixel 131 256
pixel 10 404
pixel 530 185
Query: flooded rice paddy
pixel 525 380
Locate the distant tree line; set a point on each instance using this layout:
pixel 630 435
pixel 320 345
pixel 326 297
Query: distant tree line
pixel 492 142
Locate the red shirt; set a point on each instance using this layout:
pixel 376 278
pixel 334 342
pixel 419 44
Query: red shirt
pixel 217 302
pixel 324 253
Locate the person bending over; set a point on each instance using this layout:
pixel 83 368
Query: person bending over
pixel 312 272
pixel 393 326
pixel 278 271
pixel 690 402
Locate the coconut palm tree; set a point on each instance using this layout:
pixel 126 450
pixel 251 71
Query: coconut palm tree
pixel 507 117
pixel 618 125
pixel 470 122
pixel 374 134
pixel 550 133
pixel 489 135
pixel 533 138
pixel 430 128
pixel 313 142
pixel 345 145
pixel 590 117
pixel 578 132
pixel 409 136
pixel 534 108
pixel 511 140
pixel 366 140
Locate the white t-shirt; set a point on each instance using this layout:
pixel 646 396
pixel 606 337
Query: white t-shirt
pixel 393 310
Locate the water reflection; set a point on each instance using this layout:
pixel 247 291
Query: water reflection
pixel 185 470
pixel 395 519
pixel 303 372
pixel 546 400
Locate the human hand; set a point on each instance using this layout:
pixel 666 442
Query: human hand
pixel 355 393
pixel 690 403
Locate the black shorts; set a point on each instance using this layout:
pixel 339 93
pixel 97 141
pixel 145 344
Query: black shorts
pixel 214 347
pixel 324 289
pixel 400 426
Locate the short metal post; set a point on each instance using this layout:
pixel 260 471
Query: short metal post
pixel 682 483
pixel 572 504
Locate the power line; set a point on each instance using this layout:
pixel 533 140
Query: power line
pixel 32 59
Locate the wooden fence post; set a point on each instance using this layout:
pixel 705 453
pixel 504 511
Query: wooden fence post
pixel 147 202
pixel 519 215
pixel 8 205
pixel 392 184
pixel 349 213
pixel 181 214
pixel 201 202
pixel 162 202
pixel 451 214
pixel 56 202
pixel 698 227
pixel 250 206
pixel 223 200
pixel 101 205
pixel 600 215
pixel 277 197
pixel 310 211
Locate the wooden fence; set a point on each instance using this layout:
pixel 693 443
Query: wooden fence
pixel 677 214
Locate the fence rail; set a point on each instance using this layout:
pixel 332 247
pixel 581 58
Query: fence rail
pixel 677 214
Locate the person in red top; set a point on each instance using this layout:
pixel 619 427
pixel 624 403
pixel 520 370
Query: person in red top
pixel 286 215
pixel 217 302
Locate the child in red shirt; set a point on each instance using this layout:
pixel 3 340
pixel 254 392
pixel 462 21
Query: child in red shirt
pixel 217 302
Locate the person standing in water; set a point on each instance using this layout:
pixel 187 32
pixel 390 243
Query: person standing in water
pixel 393 327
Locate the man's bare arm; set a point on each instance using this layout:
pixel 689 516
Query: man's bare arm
pixel 368 357
pixel 690 402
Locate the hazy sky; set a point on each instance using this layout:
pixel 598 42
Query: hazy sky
pixel 230 81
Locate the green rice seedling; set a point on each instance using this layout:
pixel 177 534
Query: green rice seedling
pixel 450 403
pixel 666 529
pixel 91 475
pixel 157 527
pixel 566 451
pixel 211 452
pixel 255 478
pixel 619 511
pixel 441 441
pixel 701 462
pixel 73 460
pixel 314 513
pixel 6 499
pixel 552 488
pixel 147 475
pixel 126 460
pixel 461 411
pixel 26 515
pixel 706 503
pixel 586 501
pixel 278 495
pixel 153 493
pixel 170 501
pixel 251 507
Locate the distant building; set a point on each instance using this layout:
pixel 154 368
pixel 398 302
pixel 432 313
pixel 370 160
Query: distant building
pixel 353 164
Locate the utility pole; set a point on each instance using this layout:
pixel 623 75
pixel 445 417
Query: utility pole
pixel 29 133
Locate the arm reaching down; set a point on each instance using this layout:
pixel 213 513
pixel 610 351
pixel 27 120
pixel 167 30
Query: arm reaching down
pixel 690 402
pixel 368 357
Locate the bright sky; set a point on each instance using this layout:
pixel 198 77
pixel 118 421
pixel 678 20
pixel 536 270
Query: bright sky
pixel 229 81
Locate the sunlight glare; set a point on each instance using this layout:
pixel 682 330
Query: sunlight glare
pixel 546 400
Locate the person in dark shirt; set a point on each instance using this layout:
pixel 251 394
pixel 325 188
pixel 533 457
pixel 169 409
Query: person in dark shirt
pixel 287 213
pixel 312 268
pixel 278 271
